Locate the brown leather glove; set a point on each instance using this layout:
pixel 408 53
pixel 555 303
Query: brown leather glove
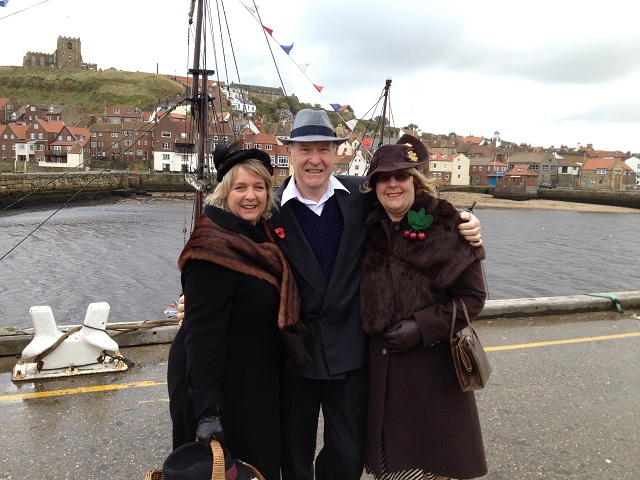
pixel 402 336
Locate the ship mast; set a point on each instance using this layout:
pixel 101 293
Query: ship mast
pixel 387 86
pixel 200 106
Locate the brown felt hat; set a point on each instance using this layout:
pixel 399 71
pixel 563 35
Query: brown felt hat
pixel 401 156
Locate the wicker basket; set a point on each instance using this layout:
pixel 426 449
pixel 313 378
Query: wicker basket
pixel 217 472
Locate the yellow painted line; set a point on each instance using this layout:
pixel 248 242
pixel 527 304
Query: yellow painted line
pixel 73 391
pixel 150 383
pixel 561 342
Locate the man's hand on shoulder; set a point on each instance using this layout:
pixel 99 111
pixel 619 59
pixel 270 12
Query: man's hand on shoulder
pixel 470 229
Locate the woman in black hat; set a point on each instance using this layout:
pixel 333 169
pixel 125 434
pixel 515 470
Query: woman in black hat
pixel 420 424
pixel 223 370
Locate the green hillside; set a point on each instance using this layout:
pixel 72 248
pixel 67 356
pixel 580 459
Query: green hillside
pixel 91 90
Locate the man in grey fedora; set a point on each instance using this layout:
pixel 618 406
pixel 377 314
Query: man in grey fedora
pixel 320 229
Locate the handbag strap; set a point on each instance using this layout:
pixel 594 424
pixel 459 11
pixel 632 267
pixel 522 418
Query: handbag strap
pixel 217 472
pixel 454 306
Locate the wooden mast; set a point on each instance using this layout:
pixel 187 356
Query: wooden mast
pixel 387 86
pixel 200 107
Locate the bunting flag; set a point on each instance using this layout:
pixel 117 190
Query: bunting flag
pixel 367 143
pixel 286 49
pixel 3 3
pixel 352 124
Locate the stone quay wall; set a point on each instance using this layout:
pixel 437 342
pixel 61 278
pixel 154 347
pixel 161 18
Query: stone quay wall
pixel 35 189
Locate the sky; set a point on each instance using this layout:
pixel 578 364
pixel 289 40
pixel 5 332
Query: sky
pixel 544 73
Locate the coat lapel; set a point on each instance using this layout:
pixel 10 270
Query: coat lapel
pixel 296 249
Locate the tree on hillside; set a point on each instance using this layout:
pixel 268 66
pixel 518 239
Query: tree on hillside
pixel 411 126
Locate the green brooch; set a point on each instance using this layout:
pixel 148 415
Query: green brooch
pixel 418 221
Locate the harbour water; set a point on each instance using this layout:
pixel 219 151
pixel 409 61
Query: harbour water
pixel 125 254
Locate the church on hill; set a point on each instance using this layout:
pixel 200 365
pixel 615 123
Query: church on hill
pixel 67 55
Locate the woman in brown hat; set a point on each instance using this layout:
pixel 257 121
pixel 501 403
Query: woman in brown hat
pixel 420 424
pixel 223 370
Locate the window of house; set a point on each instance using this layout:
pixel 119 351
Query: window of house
pixel 435 165
pixel 166 146
pixel 165 156
pixel 480 168
pixel 258 146
pixel 534 167
pixel 114 145
pixel 459 167
pixel 128 143
pixel 32 136
pixel 283 172
pixel 268 147
pixel 459 176
pixel 166 134
pixel 59 138
pixel 546 167
pixel 446 176
pixel 116 111
pixel 69 139
pixel 57 149
pixel 36 126
pixel 114 134
pixel 520 170
pixel 602 171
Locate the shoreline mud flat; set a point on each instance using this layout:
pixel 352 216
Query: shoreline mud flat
pixel 487 201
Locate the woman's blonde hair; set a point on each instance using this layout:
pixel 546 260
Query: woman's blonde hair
pixel 420 182
pixel 219 196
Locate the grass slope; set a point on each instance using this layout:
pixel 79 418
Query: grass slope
pixel 91 90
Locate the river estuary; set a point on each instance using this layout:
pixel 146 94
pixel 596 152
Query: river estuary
pixel 125 254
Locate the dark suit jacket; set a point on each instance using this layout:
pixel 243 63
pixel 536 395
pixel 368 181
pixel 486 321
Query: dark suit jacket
pixel 332 310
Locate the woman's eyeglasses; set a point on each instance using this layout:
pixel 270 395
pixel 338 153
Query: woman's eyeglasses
pixel 399 176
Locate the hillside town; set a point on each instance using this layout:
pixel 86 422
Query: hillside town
pixel 43 137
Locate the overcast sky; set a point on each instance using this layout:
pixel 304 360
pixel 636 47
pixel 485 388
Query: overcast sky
pixel 544 73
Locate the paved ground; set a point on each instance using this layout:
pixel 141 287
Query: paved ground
pixel 563 402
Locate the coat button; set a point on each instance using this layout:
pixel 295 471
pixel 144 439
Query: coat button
pixel 384 351
pixel 396 228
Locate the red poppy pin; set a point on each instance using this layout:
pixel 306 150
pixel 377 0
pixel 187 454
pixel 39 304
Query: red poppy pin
pixel 280 232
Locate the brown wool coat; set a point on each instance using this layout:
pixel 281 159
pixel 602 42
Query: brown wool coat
pixel 417 411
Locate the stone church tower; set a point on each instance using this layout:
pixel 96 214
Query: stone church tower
pixel 68 53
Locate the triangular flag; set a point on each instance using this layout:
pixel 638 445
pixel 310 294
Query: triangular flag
pixel 336 106
pixel 3 3
pixel 286 49
pixel 269 31
pixel 352 124
pixel 367 143
pixel 303 67
pixel 318 87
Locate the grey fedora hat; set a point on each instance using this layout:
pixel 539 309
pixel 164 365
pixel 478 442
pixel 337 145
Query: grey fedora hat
pixel 312 126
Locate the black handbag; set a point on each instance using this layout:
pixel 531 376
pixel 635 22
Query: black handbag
pixel 469 358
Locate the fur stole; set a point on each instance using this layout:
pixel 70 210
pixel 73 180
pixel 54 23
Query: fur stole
pixel 245 250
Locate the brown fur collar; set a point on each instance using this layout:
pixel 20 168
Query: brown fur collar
pixel 405 276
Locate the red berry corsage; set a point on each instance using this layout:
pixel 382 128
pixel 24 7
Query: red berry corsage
pixel 418 221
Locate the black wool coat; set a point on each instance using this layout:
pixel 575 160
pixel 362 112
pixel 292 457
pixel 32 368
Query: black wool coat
pixel 417 412
pixel 228 352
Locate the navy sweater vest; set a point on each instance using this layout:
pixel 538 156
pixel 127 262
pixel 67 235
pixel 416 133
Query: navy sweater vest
pixel 322 232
